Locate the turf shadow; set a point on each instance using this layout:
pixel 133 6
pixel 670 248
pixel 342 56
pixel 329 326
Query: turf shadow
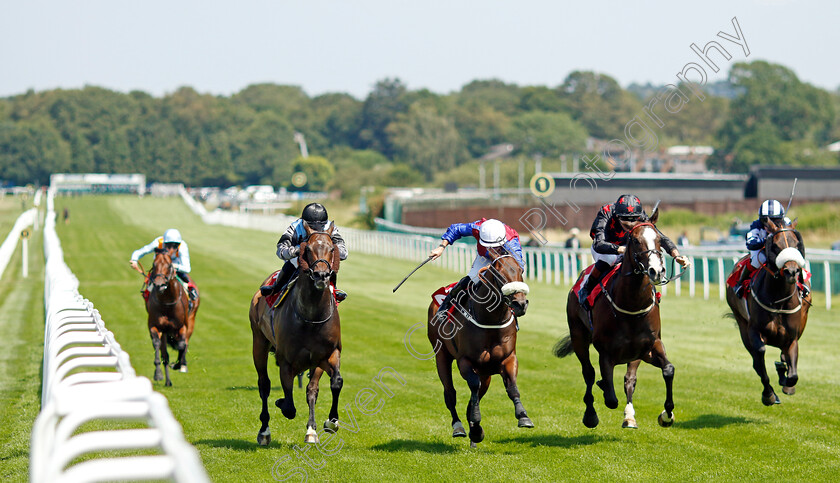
pixel 249 445
pixel 557 441
pixel 409 445
pixel 705 421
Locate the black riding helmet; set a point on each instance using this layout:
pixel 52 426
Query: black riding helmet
pixel 628 206
pixel 315 215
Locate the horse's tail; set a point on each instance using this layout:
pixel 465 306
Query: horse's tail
pixel 563 347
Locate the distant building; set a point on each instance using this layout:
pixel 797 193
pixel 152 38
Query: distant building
pixel 775 182
pixel 99 183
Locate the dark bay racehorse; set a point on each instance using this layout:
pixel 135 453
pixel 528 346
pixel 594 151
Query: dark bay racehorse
pixel 171 319
pixel 773 311
pixel 625 326
pixel 480 334
pixel 304 332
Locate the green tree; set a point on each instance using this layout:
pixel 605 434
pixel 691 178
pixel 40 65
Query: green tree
pixel 549 134
pixel 426 140
pixel 319 172
pixel 599 103
pixel 381 107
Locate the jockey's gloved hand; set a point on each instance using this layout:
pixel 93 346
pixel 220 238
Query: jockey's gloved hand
pixel 683 260
pixel 294 251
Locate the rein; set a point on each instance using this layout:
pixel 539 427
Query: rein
pixel 317 322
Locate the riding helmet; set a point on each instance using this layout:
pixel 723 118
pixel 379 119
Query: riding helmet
pixel 172 235
pixel 628 206
pixel 771 209
pixel 315 215
pixel 492 233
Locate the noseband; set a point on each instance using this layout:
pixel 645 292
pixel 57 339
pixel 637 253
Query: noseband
pixel 788 250
pixel 508 289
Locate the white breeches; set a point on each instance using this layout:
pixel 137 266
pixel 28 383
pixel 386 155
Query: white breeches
pixel 479 263
pixel 609 258
pixel 757 258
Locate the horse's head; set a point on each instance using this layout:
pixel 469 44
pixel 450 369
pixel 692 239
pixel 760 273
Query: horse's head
pixel 784 249
pixel 644 251
pixel 507 279
pixel 318 257
pixel 162 270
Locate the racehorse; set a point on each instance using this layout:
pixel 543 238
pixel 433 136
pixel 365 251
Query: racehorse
pixel 625 325
pixel 304 332
pixel 171 317
pixel 480 334
pixel 773 311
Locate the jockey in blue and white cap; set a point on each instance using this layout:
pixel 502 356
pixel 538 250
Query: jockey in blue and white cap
pixel 178 251
pixel 757 235
pixel 489 233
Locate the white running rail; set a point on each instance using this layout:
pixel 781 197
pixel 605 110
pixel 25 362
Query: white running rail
pixel 75 341
pixel 8 247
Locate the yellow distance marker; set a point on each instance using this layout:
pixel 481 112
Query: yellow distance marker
pixel 299 179
pixel 542 185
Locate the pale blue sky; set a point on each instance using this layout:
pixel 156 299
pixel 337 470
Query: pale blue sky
pixel 346 46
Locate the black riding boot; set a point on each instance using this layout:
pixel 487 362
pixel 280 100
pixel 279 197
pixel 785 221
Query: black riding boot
pixel 745 274
pixel 285 275
pixel 598 269
pixel 461 285
pixel 340 295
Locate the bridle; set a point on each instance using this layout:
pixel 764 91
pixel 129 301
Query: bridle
pixel 771 241
pixel 167 278
pixel 310 270
pixel 513 287
pixel 639 267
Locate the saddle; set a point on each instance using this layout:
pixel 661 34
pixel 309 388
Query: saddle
pixel 276 299
pixel 596 292
pixel 440 295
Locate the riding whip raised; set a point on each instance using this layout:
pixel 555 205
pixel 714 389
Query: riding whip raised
pixel 412 273
pixel 792 190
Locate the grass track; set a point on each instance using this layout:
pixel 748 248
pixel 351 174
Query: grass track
pixel 722 432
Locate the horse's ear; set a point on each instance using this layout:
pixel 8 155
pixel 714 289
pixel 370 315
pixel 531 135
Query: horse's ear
pixel 770 226
pixel 627 225
pixel 794 222
pixel 330 231
pixel 654 216
pixel 307 228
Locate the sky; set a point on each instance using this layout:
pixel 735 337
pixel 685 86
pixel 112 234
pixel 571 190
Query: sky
pixel 346 46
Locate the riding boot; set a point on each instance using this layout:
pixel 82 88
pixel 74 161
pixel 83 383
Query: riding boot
pixel 285 275
pixel 745 274
pixel 461 285
pixel 598 269
pixel 340 295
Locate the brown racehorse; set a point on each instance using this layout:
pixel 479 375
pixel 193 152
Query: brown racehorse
pixel 774 311
pixel 480 335
pixel 171 320
pixel 625 326
pixel 304 332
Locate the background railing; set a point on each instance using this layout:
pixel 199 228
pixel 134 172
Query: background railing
pixel 88 378
pixel 710 265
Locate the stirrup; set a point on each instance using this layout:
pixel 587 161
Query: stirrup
pixel 340 295
pixel 267 290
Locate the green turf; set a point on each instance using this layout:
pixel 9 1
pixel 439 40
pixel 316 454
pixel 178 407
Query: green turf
pixel 722 433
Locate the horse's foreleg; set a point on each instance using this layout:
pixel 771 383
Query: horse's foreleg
pixel 336 383
pixel 164 357
pixel 757 348
pixel 580 339
pixel 510 369
pixel 155 334
pixel 658 358
pixel 629 388
pixel 311 399
pixel 473 409
pixel 260 352
pixel 606 382
pixel 183 341
pixel 791 356
pixel 287 378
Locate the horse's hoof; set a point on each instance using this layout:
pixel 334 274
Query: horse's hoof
pixel 263 439
pixel 590 419
pixel 770 400
pixel 476 433
pixel 289 414
pixel 473 445
pixel 331 425
pixel 664 420
pixel 168 384
pixel 790 391
pixel 458 430
pixel 525 422
pixel 611 403
pixel 791 381
pixel 183 369
pixel 311 436
pixel 158 376
pixel 630 423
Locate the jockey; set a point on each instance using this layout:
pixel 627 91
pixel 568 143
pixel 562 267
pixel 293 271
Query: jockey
pixel 609 239
pixel 488 233
pixel 769 210
pixel 178 251
pixel 288 247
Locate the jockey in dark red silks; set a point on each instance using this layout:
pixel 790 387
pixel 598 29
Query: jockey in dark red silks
pixel 488 234
pixel 609 239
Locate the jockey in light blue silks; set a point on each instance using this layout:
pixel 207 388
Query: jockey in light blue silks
pixel 488 234
pixel 178 251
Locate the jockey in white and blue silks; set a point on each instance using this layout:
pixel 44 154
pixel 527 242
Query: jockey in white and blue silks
pixel 488 234
pixel 178 251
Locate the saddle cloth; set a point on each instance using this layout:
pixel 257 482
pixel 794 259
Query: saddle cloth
pixel 593 296
pixel 744 264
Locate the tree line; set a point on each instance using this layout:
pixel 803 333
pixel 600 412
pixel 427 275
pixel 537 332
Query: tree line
pixel 395 136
